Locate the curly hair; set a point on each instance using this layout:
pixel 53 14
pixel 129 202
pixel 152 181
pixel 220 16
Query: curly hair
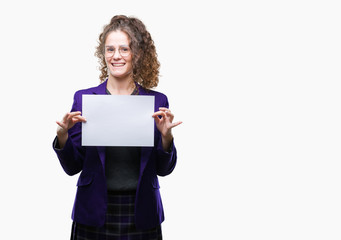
pixel 145 63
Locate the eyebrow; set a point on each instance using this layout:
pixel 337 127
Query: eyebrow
pixel 119 46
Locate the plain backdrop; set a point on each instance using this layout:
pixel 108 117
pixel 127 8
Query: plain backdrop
pixel 256 84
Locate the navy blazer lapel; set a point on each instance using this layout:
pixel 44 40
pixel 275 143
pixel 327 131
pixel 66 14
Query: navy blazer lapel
pixel 101 89
pixel 145 151
pixel 142 91
pixel 145 156
pixel 101 154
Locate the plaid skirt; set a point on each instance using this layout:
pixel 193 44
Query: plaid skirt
pixel 119 224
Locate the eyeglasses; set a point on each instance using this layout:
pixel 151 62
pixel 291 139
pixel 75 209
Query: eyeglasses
pixel 123 50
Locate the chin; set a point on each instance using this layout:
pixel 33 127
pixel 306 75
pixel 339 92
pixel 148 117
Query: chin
pixel 124 74
pixel 118 75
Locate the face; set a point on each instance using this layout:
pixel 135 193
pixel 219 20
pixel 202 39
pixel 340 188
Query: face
pixel 118 56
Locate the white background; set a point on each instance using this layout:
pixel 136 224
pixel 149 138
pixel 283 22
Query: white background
pixel 256 84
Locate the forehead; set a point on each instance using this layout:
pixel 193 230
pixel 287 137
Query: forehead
pixel 117 38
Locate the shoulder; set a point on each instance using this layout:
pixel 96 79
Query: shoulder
pixel 84 91
pixel 150 92
pixel 157 94
pixel 159 97
pixel 100 89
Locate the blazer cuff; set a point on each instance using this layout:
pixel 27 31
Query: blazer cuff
pixel 55 144
pixel 165 154
pixel 60 151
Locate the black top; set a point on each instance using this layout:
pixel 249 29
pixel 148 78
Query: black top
pixel 122 166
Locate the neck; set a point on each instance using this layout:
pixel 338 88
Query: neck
pixel 120 87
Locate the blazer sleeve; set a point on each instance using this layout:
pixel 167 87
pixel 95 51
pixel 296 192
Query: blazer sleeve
pixel 71 156
pixel 166 160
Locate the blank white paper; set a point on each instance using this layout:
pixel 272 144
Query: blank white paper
pixel 118 120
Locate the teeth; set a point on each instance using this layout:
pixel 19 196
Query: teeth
pixel 118 64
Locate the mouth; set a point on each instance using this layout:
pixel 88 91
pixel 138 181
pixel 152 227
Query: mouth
pixel 117 64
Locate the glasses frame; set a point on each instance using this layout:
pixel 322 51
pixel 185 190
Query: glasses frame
pixel 121 48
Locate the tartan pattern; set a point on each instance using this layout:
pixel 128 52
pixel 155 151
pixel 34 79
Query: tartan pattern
pixel 119 223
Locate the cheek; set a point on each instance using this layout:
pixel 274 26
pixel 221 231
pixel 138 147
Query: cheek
pixel 130 63
pixel 106 62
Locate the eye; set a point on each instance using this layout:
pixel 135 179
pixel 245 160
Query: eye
pixel 125 50
pixel 110 50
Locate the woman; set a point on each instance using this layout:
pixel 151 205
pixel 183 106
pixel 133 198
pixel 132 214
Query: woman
pixel 118 191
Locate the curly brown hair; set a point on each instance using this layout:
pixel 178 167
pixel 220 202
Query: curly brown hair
pixel 145 63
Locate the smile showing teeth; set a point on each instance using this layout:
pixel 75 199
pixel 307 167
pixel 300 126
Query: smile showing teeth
pixel 117 64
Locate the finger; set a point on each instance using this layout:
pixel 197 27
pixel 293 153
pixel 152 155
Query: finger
pixel 176 124
pixel 80 117
pixel 65 118
pixel 73 114
pixel 164 109
pixel 60 124
pixel 77 119
pixel 157 119
pixel 159 113
pixel 170 115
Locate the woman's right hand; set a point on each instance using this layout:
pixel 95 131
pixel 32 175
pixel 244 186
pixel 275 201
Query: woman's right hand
pixel 69 120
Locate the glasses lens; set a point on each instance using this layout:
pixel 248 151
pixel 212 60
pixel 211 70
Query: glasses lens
pixel 123 51
pixel 109 52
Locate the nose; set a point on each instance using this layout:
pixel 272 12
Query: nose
pixel 117 54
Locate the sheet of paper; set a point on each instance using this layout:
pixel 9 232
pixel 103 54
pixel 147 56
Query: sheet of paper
pixel 118 120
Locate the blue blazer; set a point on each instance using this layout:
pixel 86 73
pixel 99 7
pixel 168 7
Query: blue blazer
pixel 91 199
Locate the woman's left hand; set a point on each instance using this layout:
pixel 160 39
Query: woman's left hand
pixel 165 125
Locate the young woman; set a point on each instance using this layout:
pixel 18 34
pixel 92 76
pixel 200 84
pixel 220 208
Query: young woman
pixel 118 190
